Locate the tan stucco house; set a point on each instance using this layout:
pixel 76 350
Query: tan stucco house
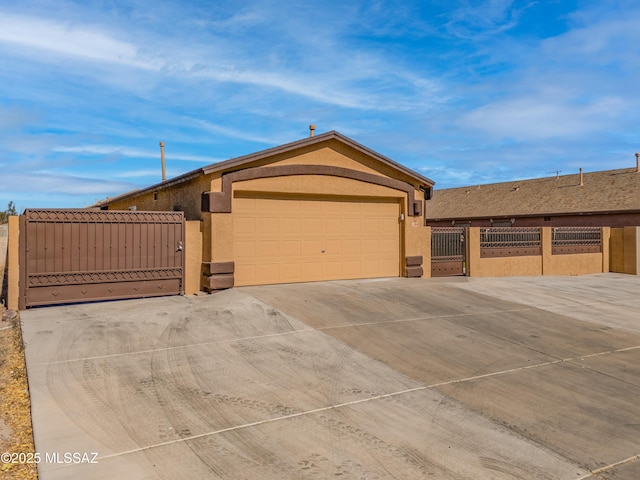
pixel 321 208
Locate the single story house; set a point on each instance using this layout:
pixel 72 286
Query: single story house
pixel 609 198
pixel 321 208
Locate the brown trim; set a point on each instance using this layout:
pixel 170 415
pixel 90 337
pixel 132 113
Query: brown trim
pixel 104 216
pixel 106 276
pixel 414 272
pixel 234 163
pixel 220 202
pixel 510 252
pixel 573 249
pixel 222 281
pixel 215 268
pixel 414 261
pixel 413 266
pixel 309 141
pixel 218 275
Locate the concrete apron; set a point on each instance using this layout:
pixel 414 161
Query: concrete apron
pixel 387 379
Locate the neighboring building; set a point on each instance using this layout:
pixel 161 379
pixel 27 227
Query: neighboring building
pixel 608 198
pixel 322 208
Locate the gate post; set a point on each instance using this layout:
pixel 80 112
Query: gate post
pixel 426 258
pixel 13 265
pixel 473 251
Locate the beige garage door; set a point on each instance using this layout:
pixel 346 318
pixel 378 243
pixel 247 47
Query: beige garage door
pixel 280 240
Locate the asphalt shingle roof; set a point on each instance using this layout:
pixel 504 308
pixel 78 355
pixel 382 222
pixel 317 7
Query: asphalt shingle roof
pixel 605 191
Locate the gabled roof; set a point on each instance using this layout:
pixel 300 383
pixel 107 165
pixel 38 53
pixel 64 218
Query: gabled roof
pixel 601 192
pixel 239 162
pixel 234 163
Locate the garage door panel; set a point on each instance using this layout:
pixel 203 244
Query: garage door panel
pixel 352 227
pixel 246 272
pixel 290 272
pixel 332 226
pixel 312 270
pixel 351 267
pixel 311 248
pixel 314 239
pixel 267 249
pixel 333 270
pixel 289 226
pixel 265 225
pixel 351 246
pixel 333 247
pixel 370 246
pixel 311 226
pixel 291 248
pixel 247 225
pixel 244 250
pixel 386 244
pixel 387 263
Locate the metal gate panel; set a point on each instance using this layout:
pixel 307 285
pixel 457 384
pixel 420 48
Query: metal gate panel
pixel 72 256
pixel 448 251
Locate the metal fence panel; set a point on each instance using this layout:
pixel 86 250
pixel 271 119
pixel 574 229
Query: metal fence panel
pixel 568 240
pixel 83 255
pixel 510 241
pixel 448 251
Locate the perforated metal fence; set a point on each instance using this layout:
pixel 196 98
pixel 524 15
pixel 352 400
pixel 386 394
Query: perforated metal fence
pixel 510 241
pixel 448 251
pixel 567 240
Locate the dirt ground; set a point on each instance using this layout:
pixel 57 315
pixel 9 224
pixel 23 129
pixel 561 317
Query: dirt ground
pixel 16 435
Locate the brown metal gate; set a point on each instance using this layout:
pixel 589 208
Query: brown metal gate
pixel 448 251
pixel 69 256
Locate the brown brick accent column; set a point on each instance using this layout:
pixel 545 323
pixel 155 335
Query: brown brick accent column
pixel 218 275
pixel 414 267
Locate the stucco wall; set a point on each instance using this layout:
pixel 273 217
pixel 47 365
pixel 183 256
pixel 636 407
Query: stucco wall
pixel 574 264
pixel 193 257
pixel 631 250
pixel 616 252
pixel 181 197
pixel 544 264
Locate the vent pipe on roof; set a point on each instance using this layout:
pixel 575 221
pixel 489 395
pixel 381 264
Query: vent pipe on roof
pixel 312 130
pixel 581 180
pixel 164 173
pixel 637 162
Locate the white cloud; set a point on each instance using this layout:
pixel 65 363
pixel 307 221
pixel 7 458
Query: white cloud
pixel 86 42
pixel 485 18
pixel 131 152
pixel 55 182
pixel 541 117
pixel 353 82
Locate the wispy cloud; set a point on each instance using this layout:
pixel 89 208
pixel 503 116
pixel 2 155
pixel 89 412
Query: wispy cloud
pixel 93 43
pixel 84 41
pixel 130 152
pixel 465 91
pixel 486 17
pixel 541 117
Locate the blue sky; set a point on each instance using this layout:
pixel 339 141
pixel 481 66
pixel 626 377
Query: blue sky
pixel 465 92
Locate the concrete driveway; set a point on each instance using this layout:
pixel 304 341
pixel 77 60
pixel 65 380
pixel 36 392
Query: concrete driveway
pixel 519 378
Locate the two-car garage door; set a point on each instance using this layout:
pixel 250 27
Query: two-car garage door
pixel 298 239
